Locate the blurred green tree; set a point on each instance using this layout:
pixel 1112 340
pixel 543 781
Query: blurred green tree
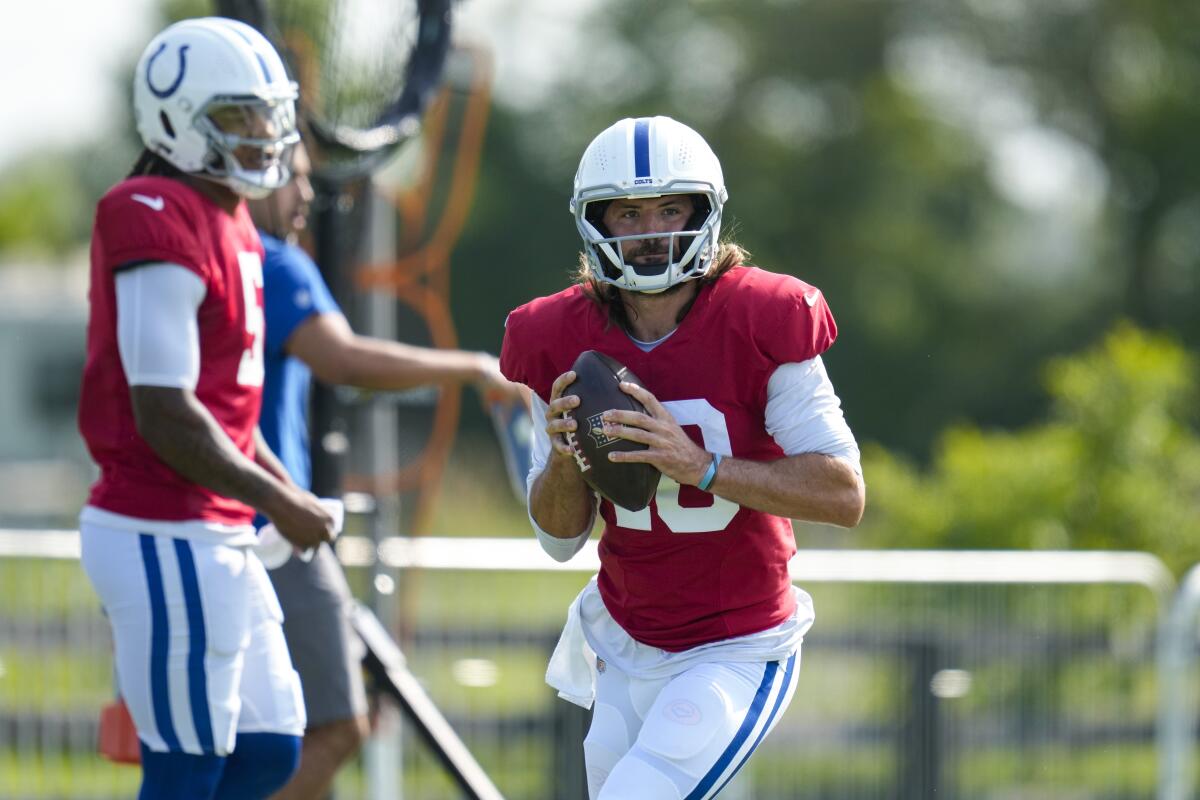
pixel 1115 466
pixel 43 210
pixel 975 186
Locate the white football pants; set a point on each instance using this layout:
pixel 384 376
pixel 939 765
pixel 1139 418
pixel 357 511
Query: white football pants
pixel 199 643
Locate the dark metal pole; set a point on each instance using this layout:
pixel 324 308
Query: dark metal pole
pixel 920 733
pixel 338 212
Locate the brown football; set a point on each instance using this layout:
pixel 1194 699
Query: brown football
pixel 597 379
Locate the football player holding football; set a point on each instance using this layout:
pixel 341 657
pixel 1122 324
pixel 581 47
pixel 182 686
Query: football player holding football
pixel 688 641
pixel 169 405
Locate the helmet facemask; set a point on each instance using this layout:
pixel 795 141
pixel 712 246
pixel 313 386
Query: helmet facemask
pixel 686 254
pixel 212 97
pixel 251 141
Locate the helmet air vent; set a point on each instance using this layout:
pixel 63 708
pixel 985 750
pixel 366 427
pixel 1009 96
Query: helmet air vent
pixel 166 123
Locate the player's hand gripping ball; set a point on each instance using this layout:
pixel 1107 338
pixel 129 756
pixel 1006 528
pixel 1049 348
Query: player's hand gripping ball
pixel 597 379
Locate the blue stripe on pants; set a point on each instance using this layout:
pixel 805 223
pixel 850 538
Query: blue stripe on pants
pixel 783 690
pixel 160 689
pixel 756 707
pixel 197 644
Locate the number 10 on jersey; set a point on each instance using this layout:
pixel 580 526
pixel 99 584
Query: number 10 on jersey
pixel 708 519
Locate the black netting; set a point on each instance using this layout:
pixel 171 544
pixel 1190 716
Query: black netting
pixel 366 68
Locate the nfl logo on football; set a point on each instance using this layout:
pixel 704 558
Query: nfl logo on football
pixel 596 431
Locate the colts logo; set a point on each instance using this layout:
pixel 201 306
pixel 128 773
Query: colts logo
pixel 596 431
pixel 163 94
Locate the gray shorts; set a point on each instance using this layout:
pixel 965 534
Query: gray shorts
pixel 325 650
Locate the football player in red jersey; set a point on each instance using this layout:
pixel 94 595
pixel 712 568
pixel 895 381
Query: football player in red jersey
pixel 169 408
pixel 688 640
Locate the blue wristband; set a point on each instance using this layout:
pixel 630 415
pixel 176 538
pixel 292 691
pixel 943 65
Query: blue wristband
pixel 707 480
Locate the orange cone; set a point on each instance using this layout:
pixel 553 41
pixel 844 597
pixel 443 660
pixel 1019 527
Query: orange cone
pixel 118 739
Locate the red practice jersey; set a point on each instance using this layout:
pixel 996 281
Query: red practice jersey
pixel 155 219
pixel 692 568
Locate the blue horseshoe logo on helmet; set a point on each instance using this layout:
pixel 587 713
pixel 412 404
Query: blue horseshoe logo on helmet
pixel 163 94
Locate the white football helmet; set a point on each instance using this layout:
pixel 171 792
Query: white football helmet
pixel 213 98
pixel 649 157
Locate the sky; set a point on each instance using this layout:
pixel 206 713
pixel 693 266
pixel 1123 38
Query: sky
pixel 64 89
pixel 61 89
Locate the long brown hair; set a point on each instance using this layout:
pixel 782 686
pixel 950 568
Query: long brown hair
pixel 608 297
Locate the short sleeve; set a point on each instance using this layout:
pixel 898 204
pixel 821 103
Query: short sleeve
pixel 136 224
pixel 293 291
pixel 531 352
pixel 510 350
pixel 800 324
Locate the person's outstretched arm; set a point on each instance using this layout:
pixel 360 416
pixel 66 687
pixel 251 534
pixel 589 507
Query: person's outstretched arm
pixel 339 356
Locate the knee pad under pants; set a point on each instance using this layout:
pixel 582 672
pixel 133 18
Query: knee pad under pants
pixel 686 736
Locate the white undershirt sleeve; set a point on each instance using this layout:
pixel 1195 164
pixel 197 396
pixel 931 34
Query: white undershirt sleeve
pixel 157 333
pixel 560 550
pixel 804 415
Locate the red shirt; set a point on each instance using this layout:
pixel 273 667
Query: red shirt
pixel 692 568
pixel 154 219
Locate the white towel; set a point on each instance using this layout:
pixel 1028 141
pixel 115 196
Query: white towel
pixel 572 667
pixel 274 550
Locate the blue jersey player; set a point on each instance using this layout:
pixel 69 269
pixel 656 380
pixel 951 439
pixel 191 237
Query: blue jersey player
pixel 307 335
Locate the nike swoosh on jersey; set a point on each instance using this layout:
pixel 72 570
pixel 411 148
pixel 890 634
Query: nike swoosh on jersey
pixel 811 296
pixel 155 203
